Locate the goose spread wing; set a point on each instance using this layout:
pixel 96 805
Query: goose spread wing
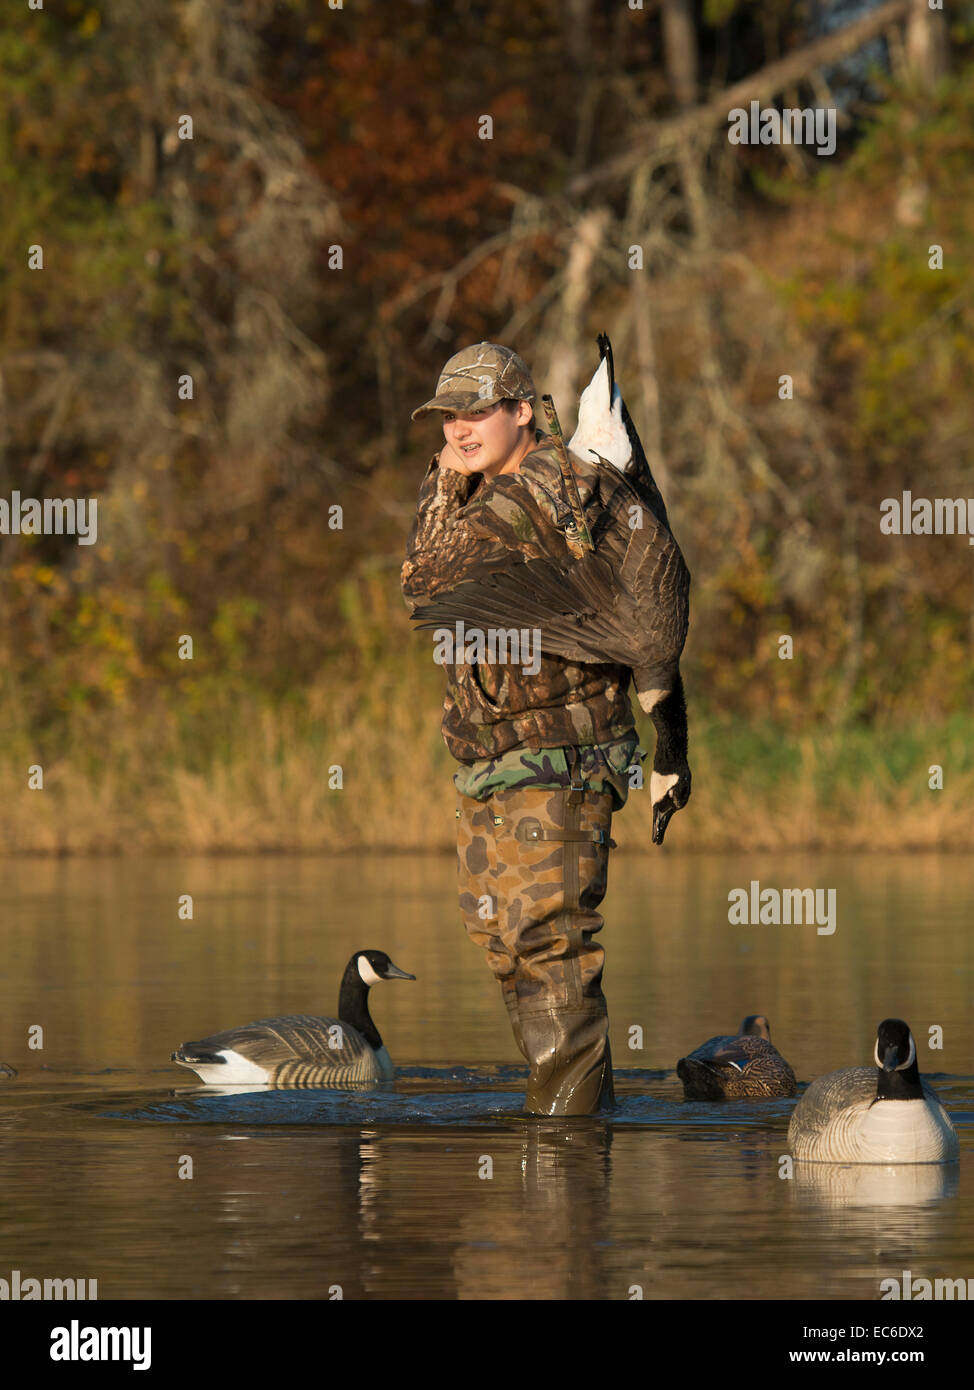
pixel 585 611
pixel 574 608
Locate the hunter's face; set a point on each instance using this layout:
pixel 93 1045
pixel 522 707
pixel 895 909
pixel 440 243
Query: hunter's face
pixel 486 442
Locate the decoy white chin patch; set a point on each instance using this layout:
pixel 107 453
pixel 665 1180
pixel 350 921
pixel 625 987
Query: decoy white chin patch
pixel 236 1070
pixel 903 1066
pixel 367 973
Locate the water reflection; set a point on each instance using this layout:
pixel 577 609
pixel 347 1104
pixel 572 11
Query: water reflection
pixel 379 1190
pixel 545 1233
pixel 875 1184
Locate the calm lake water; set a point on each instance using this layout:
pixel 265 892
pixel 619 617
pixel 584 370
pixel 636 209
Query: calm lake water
pixel 380 1192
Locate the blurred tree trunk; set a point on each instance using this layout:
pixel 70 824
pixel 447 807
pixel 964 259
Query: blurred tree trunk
pixel 680 50
pixel 681 61
pixel 660 141
pixel 565 360
pixel 927 43
pixel 925 56
pixel 578 43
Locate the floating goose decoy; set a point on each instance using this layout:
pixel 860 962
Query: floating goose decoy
pixel 747 1067
pixel 302 1051
pixel 881 1114
pixel 627 602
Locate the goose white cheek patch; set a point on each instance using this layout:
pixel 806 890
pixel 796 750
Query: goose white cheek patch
pixel 660 785
pixel 367 973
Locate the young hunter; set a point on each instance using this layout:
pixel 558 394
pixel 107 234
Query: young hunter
pixel 544 746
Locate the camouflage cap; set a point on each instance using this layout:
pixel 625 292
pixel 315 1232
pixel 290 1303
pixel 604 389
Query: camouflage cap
pixel 479 377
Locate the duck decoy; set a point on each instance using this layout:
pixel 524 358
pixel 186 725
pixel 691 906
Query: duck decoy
pixel 881 1114
pixel 747 1067
pixel 301 1051
pixel 626 602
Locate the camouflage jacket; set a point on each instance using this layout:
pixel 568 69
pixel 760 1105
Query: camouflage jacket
pixel 601 768
pixel 461 523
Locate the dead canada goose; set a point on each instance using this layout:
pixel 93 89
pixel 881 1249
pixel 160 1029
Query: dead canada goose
pixel 747 1067
pixel 627 602
pixel 299 1050
pixel 881 1114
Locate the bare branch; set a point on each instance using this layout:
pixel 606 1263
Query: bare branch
pixel 664 139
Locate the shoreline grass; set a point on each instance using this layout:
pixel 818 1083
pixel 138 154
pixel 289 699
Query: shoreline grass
pixel 240 775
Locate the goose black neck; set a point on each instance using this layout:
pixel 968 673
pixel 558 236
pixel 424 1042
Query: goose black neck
pixel 670 719
pixel 353 1005
pixel 900 1085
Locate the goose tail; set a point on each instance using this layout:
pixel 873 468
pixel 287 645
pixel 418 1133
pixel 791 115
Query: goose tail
pixel 190 1056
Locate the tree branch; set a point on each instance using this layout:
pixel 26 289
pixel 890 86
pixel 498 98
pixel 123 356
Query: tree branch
pixel 663 139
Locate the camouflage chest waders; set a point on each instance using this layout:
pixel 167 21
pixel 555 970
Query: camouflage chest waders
pixel 532 872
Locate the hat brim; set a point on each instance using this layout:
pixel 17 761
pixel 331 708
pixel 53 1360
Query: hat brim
pixel 458 402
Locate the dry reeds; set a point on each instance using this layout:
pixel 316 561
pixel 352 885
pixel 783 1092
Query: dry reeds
pixel 356 762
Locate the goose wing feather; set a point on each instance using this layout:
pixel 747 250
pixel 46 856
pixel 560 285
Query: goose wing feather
pixel 659 583
pixel 270 1042
pixel 575 609
pixel 852 1089
pixel 583 612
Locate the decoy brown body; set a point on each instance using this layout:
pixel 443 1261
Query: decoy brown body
pixel 626 602
pixel 299 1050
pixel 747 1067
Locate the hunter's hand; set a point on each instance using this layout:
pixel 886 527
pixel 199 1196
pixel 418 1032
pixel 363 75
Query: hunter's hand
pixel 448 459
pixel 670 792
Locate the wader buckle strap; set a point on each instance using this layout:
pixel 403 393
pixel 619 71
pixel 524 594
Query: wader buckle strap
pixel 576 783
pixel 529 831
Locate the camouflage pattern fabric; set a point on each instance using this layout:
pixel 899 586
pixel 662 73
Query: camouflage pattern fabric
pixel 532 872
pixel 530 902
pixel 477 378
pixel 464 522
pixel 602 769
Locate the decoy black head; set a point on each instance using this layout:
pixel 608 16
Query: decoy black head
pixel 895 1054
pixel 756 1026
pixel 374 966
pixel 895 1049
